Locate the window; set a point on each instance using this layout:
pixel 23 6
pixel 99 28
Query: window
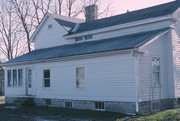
pixel 156 70
pixel 46 78
pixel 9 78
pixel 50 26
pixel 80 77
pixel 29 77
pixel 88 37
pixel 79 39
pixel 68 104
pixel 99 105
pixel 48 101
pixel 20 77
pixel 14 77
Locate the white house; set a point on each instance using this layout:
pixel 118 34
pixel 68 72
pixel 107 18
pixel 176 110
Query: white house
pixel 129 63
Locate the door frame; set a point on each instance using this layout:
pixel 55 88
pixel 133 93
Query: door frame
pixel 29 91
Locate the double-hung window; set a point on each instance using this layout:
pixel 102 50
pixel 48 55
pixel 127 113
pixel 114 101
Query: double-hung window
pixel 46 78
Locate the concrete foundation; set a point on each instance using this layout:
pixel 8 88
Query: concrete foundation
pixel 121 107
pixel 158 105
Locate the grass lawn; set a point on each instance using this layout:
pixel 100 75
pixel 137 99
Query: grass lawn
pixel 60 114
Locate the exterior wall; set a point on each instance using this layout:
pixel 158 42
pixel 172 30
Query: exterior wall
pixel 109 78
pixel 176 48
pixel 15 91
pixel 46 38
pixel 147 90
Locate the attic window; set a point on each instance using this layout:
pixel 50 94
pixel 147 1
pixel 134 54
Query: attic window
pixel 87 37
pixel 50 26
pixel 79 39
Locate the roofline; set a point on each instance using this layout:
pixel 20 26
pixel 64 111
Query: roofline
pixel 38 27
pixel 68 58
pixel 46 16
pixel 120 26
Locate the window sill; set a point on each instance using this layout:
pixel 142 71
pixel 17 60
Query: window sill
pixel 46 88
pixel 100 109
pixel 15 86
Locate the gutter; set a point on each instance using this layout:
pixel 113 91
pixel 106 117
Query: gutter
pixel 121 26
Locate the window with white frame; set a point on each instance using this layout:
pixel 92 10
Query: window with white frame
pixel 14 77
pixel 80 77
pixel 46 75
pixel 99 105
pixel 156 70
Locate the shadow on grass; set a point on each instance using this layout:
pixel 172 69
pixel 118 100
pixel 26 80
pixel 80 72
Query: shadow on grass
pixel 31 113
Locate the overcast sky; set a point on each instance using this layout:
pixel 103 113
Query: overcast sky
pixel 121 6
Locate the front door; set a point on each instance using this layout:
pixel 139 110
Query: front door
pixel 29 90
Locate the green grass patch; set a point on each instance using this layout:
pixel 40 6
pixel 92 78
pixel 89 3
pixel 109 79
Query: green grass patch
pixel 169 115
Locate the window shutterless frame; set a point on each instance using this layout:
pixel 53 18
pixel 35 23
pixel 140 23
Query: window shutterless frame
pixel 46 78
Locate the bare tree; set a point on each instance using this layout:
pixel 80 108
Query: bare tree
pixel 19 18
pixel 59 6
pixel 23 10
pixel 11 44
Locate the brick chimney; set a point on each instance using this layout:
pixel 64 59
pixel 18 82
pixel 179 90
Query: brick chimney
pixel 91 12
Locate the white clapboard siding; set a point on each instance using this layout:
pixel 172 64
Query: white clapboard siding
pixel 176 38
pixel 108 78
pixel 50 37
pixel 157 48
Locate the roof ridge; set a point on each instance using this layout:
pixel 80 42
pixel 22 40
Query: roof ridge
pixel 133 16
pixel 133 11
pixel 66 18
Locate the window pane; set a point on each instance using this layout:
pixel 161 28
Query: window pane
pixel 80 77
pixel 46 82
pixel 20 77
pixel 9 78
pixel 156 70
pixel 14 77
pixel 79 39
pixel 88 37
pixel 29 78
pixel 46 73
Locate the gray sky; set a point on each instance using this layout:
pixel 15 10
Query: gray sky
pixel 121 6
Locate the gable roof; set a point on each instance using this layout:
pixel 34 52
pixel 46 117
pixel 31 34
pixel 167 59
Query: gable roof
pixel 67 22
pixel 151 12
pixel 130 41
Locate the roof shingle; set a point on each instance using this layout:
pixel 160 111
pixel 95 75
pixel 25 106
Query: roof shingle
pixel 151 12
pixel 111 44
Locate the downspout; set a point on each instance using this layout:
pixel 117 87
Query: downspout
pixel 135 55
